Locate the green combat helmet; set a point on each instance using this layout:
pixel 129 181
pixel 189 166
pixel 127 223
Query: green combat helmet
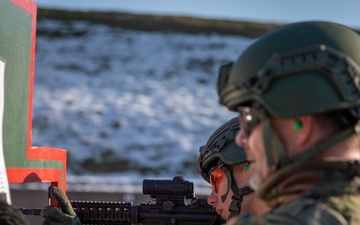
pixel 221 151
pixel 298 69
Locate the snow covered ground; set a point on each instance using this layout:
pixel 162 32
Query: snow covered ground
pixel 127 105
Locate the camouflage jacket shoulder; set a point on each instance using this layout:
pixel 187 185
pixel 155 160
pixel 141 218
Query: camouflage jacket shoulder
pixel 308 212
pixel 332 197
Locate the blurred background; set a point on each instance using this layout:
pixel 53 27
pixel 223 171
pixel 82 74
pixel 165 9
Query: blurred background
pixel 280 11
pixel 128 88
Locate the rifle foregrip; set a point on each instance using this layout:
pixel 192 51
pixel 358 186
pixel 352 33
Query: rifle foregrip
pixel 102 212
pixel 95 212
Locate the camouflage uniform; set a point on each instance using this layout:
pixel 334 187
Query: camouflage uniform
pixel 317 192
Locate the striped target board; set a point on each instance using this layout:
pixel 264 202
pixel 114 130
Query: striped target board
pixel 24 163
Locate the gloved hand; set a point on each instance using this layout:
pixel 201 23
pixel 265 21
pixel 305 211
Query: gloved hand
pixel 10 215
pixel 53 216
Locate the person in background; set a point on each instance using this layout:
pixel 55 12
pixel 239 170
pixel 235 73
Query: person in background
pixel 297 91
pixel 223 164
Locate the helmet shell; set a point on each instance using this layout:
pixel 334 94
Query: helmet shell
pixel 298 69
pixel 221 149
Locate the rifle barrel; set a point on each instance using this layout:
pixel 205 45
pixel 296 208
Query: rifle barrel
pixel 31 211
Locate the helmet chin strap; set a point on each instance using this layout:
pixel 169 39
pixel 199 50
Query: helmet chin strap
pixel 270 136
pixel 320 146
pixel 235 205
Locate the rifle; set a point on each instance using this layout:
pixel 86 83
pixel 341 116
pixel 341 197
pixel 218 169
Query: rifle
pixel 172 202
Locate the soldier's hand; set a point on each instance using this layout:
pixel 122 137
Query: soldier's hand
pixel 54 216
pixel 9 215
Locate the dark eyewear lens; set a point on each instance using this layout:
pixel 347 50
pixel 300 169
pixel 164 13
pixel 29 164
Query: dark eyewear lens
pixel 248 119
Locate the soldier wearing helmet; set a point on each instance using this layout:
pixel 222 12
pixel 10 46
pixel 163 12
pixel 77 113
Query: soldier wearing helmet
pixel 223 164
pixel 298 94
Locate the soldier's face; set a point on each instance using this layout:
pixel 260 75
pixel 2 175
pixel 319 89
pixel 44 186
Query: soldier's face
pixel 253 143
pixel 220 188
pixel 255 153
